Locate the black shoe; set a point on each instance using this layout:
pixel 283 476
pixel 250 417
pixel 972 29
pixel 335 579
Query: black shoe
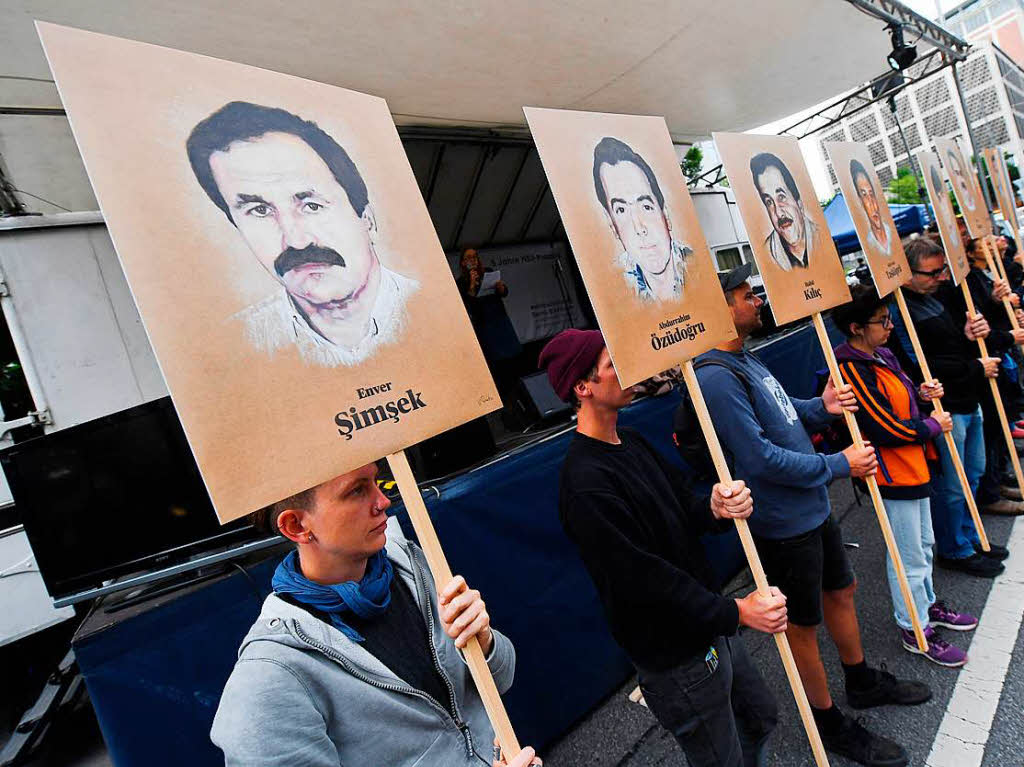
pixel 888 689
pixel 996 552
pixel 983 567
pixel 854 741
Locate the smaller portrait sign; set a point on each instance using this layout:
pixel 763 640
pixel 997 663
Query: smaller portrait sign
pixel 945 218
pixel 965 187
pixel 871 216
pixel 792 245
pixel 634 231
pixel 998 172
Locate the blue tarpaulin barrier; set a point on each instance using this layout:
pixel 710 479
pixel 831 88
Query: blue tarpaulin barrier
pixel 155 675
pixel 908 219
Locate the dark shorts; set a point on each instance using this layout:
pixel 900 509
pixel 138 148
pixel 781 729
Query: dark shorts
pixel 804 566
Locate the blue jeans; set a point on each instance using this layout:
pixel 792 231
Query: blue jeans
pixel 911 523
pixel 955 536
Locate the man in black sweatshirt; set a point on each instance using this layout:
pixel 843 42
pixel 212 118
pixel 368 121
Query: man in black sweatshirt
pixel 637 524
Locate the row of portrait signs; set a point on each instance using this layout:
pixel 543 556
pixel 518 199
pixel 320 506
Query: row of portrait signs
pixel 297 297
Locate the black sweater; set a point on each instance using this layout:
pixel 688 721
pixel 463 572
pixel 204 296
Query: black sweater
pixel 637 524
pixel 952 358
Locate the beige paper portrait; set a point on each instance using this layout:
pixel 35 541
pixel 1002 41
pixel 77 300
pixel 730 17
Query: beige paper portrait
pixel 870 213
pixel 1000 177
pixel 965 187
pixel 797 259
pixel 635 233
pixel 281 257
pixel 945 218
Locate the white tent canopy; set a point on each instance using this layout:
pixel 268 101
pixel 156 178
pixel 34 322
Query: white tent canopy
pixel 704 64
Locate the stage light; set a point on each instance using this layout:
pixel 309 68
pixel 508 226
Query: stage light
pixel 902 55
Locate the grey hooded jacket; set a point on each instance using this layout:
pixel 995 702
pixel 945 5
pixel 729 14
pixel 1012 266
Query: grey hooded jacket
pixel 302 693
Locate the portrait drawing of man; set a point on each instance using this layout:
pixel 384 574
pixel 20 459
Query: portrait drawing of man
pixel 958 175
pixel 653 262
pixel 794 236
pixel 879 237
pixel 300 204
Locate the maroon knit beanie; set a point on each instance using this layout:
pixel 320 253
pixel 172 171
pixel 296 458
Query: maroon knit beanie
pixel 568 357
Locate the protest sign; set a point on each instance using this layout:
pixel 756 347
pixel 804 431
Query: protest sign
pixel 636 237
pixel 282 258
pixel 965 187
pixel 795 254
pixel 870 213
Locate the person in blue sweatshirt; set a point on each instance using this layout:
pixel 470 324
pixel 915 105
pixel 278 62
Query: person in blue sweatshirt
pixel 765 436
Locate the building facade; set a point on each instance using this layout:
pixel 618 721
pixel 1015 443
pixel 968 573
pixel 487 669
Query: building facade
pixel 993 89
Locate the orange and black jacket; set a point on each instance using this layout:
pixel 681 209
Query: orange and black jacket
pixel 890 419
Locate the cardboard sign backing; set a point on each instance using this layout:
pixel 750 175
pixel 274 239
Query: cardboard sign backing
pixel 870 213
pixel 965 187
pixel 634 231
pixel 998 172
pixel 942 207
pixel 792 245
pixel 282 259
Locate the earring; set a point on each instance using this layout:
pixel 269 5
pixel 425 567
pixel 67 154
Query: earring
pixel 310 537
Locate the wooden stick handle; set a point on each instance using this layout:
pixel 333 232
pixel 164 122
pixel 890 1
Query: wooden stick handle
pixel 438 564
pixel 958 464
pixel 989 251
pixel 994 387
pixel 754 561
pixel 876 496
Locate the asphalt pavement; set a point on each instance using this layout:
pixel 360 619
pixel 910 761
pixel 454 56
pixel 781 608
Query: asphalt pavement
pixel 621 733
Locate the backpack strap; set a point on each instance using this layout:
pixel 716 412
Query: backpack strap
pixel 741 376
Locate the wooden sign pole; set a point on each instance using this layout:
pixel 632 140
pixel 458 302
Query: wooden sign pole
pixel 473 653
pixel 996 267
pixel 876 496
pixel 754 561
pixel 1014 459
pixel 937 403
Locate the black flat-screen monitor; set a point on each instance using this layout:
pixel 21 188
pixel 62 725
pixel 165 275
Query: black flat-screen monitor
pixel 118 495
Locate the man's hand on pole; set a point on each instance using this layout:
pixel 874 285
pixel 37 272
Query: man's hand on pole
pixel 990 365
pixel 1000 290
pixel 838 399
pixel 525 758
pixel 862 460
pixel 731 500
pixel 464 614
pixel 931 390
pixel 976 327
pixel 767 614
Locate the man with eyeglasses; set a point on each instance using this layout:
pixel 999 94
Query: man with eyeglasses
pixel 952 352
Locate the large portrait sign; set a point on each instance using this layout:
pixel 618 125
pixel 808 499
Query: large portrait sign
pixel 965 187
pixel 871 216
pixel 282 258
pixel 998 172
pixel 945 218
pixel 792 245
pixel 635 233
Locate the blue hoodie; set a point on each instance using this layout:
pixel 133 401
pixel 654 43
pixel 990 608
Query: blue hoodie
pixel 767 442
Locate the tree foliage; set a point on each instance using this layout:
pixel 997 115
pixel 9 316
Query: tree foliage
pixel 692 162
pixel 903 188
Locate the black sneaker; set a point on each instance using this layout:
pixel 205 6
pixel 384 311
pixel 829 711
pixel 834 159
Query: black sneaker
pixel 854 741
pixel 983 567
pixel 888 689
pixel 996 552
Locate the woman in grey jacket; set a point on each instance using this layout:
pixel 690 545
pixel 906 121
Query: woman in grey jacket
pixel 351 661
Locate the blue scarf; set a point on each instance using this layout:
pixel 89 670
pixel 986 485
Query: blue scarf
pixel 368 598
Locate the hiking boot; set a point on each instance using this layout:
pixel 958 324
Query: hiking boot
pixel 1011 493
pixel 995 552
pixel 1004 507
pixel 941 614
pixel 854 741
pixel 888 689
pixel 983 567
pixel 939 650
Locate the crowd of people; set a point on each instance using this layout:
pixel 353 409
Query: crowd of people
pixel 356 656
